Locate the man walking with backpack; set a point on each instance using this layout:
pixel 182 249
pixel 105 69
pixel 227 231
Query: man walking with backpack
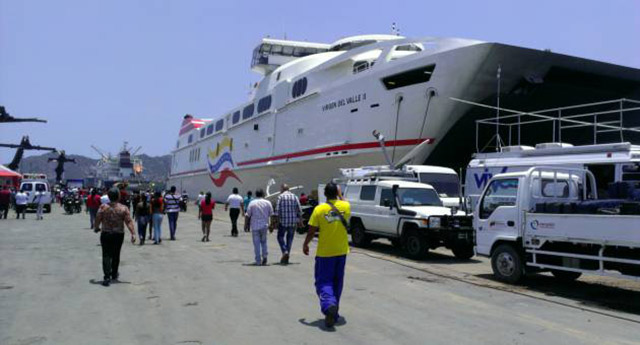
pixel 331 219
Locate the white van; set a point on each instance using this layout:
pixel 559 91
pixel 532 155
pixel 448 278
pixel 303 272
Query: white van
pixel 38 184
pixel 607 162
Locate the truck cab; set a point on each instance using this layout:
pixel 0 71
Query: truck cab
pixel 400 210
pixel 444 180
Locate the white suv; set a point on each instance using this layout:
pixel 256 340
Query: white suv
pixel 400 211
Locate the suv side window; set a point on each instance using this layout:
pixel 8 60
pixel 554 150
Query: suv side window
pixel 27 187
pixel 368 193
pixel 386 194
pixel 499 193
pixel 352 193
pixel 41 187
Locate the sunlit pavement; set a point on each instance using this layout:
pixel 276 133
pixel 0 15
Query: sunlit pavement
pixel 190 292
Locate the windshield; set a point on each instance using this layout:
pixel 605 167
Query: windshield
pixel 418 197
pixel 446 184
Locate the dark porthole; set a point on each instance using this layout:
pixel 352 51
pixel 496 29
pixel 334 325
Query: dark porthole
pixel 299 87
pixel 236 117
pixel 219 125
pixel 264 104
pixel 210 129
pixel 247 112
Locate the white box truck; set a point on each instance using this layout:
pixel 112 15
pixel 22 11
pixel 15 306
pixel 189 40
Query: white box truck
pixel 550 219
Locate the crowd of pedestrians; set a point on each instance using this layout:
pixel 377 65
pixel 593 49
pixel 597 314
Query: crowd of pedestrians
pixel 328 220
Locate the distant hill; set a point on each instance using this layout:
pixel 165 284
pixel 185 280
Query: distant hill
pixel 155 168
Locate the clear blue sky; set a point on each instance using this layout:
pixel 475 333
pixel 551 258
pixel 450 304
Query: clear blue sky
pixel 103 72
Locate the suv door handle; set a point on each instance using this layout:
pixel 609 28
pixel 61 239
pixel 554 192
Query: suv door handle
pixel 511 223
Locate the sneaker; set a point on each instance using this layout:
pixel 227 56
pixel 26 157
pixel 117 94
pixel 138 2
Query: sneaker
pixel 286 258
pixel 105 282
pixel 331 316
pixel 264 261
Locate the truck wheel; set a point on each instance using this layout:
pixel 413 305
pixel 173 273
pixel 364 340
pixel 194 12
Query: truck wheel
pixel 358 236
pixel 415 244
pixel 463 252
pixel 566 276
pixel 506 264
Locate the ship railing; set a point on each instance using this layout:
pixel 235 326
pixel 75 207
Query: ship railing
pixel 602 117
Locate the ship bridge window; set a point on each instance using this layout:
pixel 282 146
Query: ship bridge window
pixel 351 45
pixel 409 47
pixel 299 87
pixel 276 49
pixel 202 133
pixel 412 77
pixel 360 66
pixel 287 50
pixel 236 117
pixel 264 104
pixel 210 129
pixel 219 125
pixel 190 138
pixel 247 112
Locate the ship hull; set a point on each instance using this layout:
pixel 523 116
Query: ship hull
pixel 307 141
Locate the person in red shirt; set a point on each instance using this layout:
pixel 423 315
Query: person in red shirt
pixel 93 204
pixel 304 199
pixel 5 201
pixel 206 206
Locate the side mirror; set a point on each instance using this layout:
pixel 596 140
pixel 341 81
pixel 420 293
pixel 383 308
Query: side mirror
pixel 387 203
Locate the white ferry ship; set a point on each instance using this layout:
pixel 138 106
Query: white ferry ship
pixel 317 104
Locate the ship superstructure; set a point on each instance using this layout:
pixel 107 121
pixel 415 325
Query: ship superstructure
pixel 125 166
pixel 317 104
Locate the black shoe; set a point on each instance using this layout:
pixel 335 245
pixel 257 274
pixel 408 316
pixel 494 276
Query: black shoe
pixel 264 261
pixel 105 282
pixel 331 316
pixel 286 259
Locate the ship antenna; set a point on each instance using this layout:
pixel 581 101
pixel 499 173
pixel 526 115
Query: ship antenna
pixel 498 109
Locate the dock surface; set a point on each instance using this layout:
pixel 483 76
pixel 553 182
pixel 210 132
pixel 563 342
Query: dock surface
pixel 190 292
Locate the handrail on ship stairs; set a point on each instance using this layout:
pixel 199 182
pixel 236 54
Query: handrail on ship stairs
pixel 559 119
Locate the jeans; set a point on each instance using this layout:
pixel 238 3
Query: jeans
pixel 4 210
pixel 329 274
pixel 233 214
pixel 142 227
pixel 259 244
pixel 21 209
pixel 285 247
pixel 172 218
pixel 111 245
pixel 92 216
pixel 39 211
pixel 157 227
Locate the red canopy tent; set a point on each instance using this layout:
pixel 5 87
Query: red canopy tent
pixel 9 177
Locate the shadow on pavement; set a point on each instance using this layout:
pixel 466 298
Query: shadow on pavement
pixel 431 257
pixel 320 324
pixel 99 282
pixel 590 294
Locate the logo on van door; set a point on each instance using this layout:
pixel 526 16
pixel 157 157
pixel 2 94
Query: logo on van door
pixel 483 179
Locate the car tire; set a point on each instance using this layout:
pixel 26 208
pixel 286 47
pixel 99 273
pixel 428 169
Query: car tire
pixel 415 244
pixel 358 236
pixel 463 252
pixel 506 263
pixel 47 208
pixel 566 276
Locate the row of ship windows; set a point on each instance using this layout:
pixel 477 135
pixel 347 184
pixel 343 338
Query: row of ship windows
pixel 407 78
pixel 194 155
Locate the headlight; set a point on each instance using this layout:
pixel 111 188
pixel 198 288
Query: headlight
pixel 434 222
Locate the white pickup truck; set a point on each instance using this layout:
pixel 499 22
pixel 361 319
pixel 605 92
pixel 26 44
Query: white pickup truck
pixel 550 219
pixel 405 212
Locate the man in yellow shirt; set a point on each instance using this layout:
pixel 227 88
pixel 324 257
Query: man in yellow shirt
pixel 331 219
